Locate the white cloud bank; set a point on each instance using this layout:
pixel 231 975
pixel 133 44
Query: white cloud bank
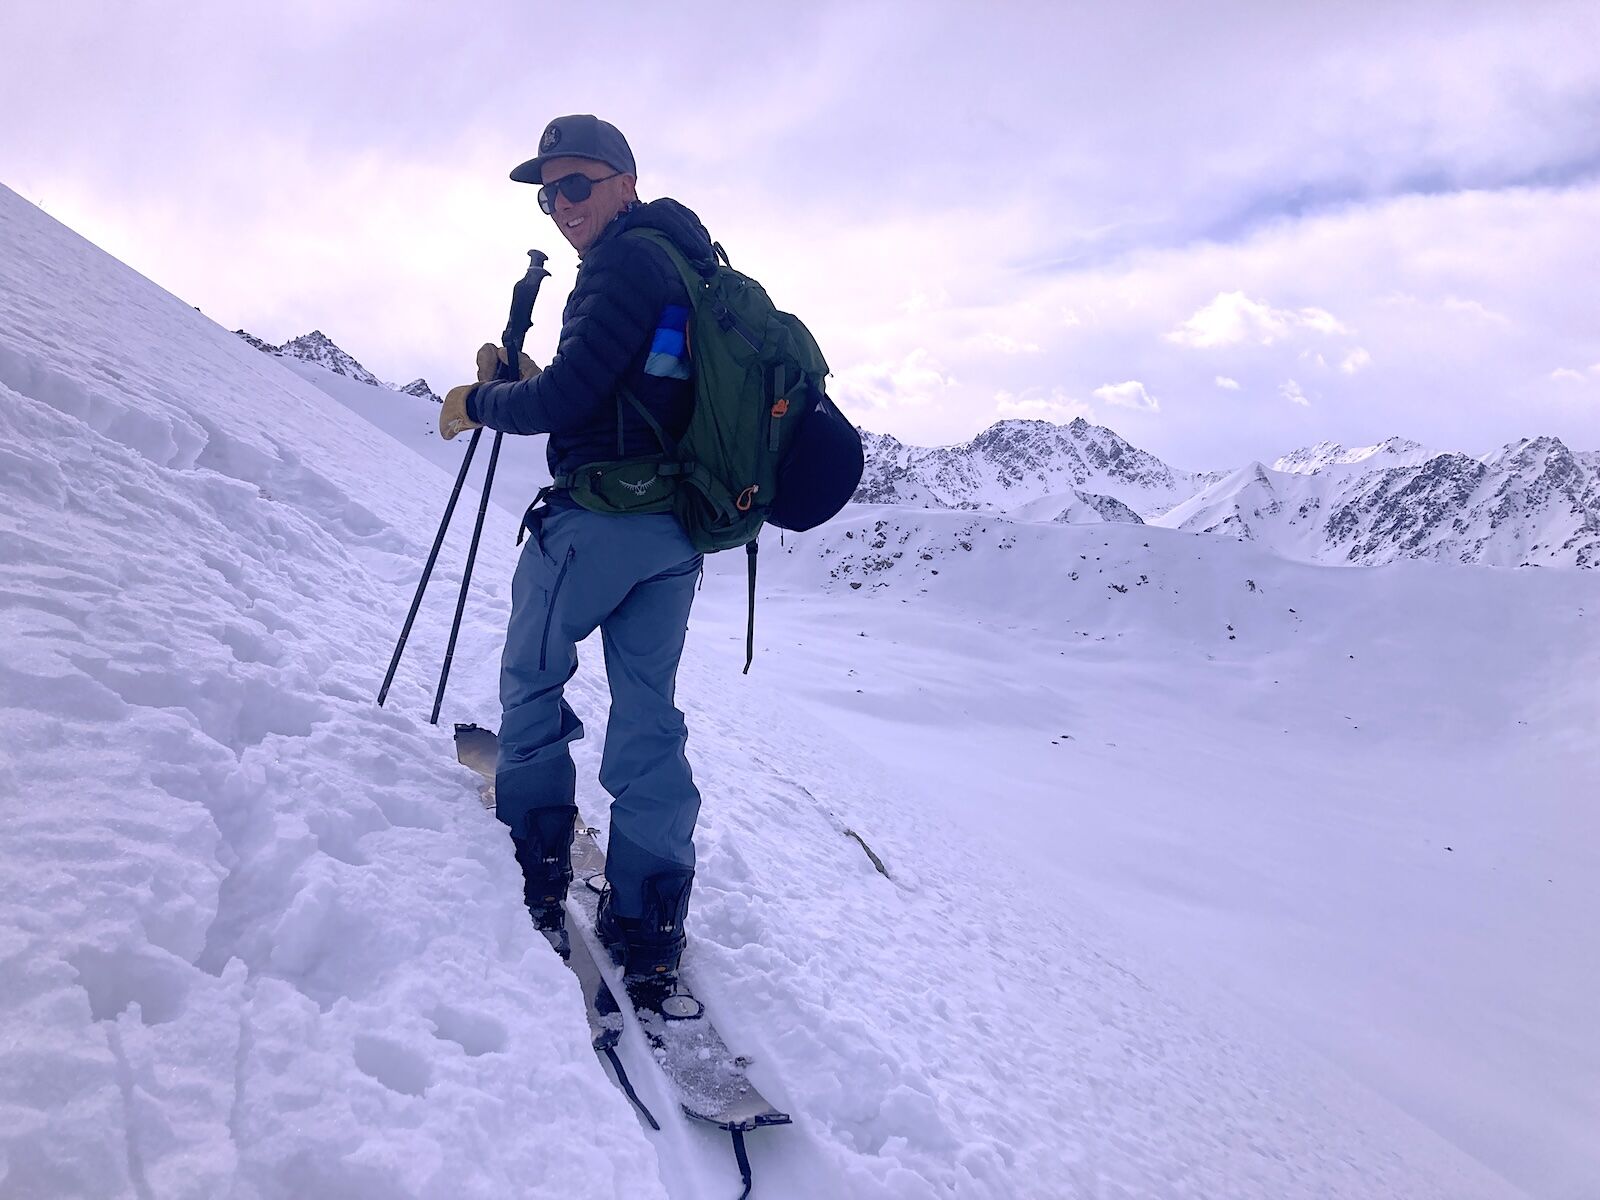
pixel 1227 384
pixel 916 381
pixel 1355 361
pixel 1057 406
pixel 1131 394
pixel 1290 391
pixel 1233 319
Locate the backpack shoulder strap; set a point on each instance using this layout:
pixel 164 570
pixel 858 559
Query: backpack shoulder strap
pixel 693 282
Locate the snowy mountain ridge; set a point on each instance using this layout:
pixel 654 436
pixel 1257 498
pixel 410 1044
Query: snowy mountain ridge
pixel 320 350
pixel 1016 462
pixel 1391 452
pixel 1533 501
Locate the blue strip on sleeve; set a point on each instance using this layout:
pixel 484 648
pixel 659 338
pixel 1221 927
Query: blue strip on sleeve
pixel 667 341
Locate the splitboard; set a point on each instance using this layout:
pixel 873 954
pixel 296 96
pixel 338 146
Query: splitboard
pixel 476 748
pixel 709 1081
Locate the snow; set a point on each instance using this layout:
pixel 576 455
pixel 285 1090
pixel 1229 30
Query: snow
pixel 413 421
pixel 1167 909
pixel 1392 452
pixel 1257 766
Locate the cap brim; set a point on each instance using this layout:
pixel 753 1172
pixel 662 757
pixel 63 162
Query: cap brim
pixel 530 171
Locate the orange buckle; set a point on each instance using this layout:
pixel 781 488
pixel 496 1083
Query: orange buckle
pixel 781 407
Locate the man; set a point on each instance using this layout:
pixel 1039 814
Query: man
pixel 631 576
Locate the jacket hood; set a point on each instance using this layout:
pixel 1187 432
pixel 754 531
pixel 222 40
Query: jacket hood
pixel 673 219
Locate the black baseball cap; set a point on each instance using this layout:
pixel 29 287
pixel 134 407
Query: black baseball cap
pixel 582 136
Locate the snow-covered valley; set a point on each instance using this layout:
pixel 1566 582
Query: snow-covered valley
pixel 1205 873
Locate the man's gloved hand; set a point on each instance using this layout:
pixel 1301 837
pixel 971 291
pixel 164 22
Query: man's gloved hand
pixel 453 417
pixel 492 357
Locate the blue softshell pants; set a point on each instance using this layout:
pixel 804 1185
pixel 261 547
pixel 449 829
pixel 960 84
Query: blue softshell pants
pixel 632 577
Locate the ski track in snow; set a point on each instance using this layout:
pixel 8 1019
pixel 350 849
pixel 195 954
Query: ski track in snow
pixel 260 942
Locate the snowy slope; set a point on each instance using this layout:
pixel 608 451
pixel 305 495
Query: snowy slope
pixel 413 420
pixel 410 414
pixel 1360 800
pixel 1076 508
pixel 260 940
pixel 251 944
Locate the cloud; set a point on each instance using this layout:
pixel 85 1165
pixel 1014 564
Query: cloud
pixel 1290 391
pixel 1057 406
pixel 1233 318
pixel 1131 394
pixel 1474 308
pixel 921 301
pixel 1355 361
pixel 1227 384
pixel 1566 375
pixel 913 382
pixel 1003 343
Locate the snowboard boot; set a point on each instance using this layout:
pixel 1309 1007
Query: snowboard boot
pixel 648 948
pixel 544 853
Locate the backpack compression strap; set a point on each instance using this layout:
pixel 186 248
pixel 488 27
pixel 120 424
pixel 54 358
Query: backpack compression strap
pixel 750 550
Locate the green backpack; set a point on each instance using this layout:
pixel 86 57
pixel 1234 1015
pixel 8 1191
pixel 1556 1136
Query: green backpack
pixel 757 373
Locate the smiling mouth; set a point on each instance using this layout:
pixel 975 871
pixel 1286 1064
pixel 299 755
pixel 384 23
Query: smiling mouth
pixel 575 222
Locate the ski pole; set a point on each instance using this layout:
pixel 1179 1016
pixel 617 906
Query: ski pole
pixel 433 555
pixel 466 576
pixel 523 294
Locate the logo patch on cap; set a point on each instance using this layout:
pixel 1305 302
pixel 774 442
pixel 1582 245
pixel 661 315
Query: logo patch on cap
pixel 551 138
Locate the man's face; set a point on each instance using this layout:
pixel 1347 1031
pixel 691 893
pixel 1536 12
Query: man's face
pixel 582 221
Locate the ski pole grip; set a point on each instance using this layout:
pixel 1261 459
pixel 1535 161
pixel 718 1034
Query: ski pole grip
pixel 523 293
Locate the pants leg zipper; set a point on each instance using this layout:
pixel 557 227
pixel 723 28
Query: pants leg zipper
pixel 550 610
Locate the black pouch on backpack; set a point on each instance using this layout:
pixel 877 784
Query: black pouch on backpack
pixel 821 470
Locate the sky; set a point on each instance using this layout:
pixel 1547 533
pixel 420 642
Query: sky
pixel 1223 230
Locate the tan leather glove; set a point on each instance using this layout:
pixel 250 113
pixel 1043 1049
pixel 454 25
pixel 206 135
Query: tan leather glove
pixel 453 417
pixel 490 357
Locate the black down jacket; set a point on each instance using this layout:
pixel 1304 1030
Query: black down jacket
pixel 625 286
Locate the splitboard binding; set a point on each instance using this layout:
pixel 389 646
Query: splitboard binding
pixel 709 1081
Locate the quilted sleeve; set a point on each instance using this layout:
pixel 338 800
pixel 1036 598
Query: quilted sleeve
pixel 609 321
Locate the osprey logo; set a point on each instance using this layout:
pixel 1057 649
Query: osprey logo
pixel 551 138
pixel 640 488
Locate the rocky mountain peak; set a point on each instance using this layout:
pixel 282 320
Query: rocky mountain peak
pixel 317 347
pixel 420 389
pixel 1015 462
pixel 321 350
pixel 264 346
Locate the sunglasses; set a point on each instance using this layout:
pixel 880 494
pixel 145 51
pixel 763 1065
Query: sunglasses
pixel 575 187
